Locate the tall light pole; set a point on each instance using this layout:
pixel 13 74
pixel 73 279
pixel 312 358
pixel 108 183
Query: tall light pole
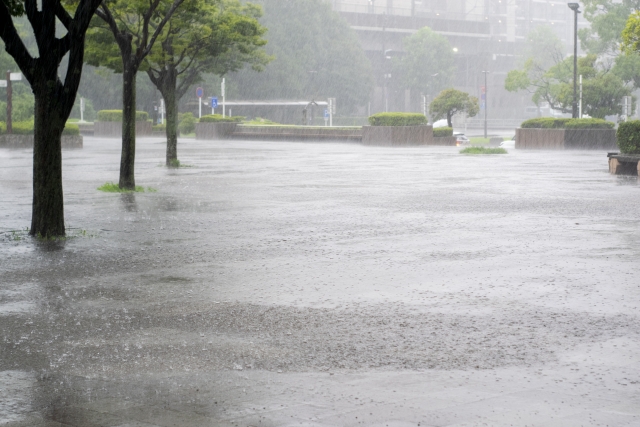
pixel 486 102
pixel 576 10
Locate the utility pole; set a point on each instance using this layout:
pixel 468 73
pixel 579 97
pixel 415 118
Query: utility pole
pixel 580 112
pixel 575 7
pixel 486 103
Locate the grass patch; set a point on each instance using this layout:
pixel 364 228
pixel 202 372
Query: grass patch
pixel 111 187
pixel 174 163
pixel 483 150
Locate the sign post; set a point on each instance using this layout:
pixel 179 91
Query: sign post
pixel 224 112
pixel 214 104
pixel 199 93
pixel 162 111
pixel 332 110
pixel 81 110
pixel 326 116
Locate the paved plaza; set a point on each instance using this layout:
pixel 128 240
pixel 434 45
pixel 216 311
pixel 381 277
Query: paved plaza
pixel 323 284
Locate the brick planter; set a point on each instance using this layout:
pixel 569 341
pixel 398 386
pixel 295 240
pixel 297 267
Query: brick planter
pixel 26 141
pixel 215 131
pixel 282 133
pixel 114 129
pixel 397 136
pixel 566 139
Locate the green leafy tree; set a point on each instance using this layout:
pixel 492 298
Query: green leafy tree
pixel 451 102
pixel 602 89
pixel 135 25
pixel 54 97
pixel 607 19
pixel 216 36
pixel 428 65
pixel 304 36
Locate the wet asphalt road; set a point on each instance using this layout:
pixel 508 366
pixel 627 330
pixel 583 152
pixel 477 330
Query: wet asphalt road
pixel 280 284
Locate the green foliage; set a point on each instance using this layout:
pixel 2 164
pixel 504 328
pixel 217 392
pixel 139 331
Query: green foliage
pixel 563 123
pixel 111 187
pixel 426 53
pixel 174 163
pixel 187 124
pixel 397 119
pixel 258 121
pixel 159 128
pixel 217 118
pixel 483 150
pixel 26 128
pixel 303 36
pixel 440 132
pixel 607 20
pixel 22 128
pixel 116 116
pixel 628 136
pixel 71 130
pixel 602 90
pixel 451 102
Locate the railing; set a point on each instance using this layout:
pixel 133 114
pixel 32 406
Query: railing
pixel 347 6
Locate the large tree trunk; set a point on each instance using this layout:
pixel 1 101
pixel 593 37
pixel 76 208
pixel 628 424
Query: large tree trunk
pixel 171 104
pixel 128 157
pixel 47 217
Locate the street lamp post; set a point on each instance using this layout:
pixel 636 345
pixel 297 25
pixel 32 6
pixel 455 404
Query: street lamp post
pixel 486 103
pixel 576 10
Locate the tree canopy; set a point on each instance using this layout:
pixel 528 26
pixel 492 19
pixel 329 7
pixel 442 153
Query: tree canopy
pixel 451 102
pixel 304 36
pixel 428 64
pixel 607 19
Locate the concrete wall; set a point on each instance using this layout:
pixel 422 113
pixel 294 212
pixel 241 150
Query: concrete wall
pixel 449 141
pixel 540 139
pixel 26 141
pixel 215 131
pixel 114 129
pixel 298 133
pixel 566 139
pixel 397 135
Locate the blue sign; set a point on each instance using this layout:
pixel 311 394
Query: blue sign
pixel 214 102
pixel 199 92
pixel 326 114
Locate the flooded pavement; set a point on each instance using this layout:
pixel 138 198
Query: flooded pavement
pixel 296 284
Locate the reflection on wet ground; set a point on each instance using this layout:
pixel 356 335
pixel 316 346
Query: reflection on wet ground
pixel 281 284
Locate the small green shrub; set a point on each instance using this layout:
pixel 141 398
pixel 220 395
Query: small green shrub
pixel 589 124
pixel 483 150
pixel 398 119
pixel 442 132
pixel 116 116
pixel 22 128
pixel 628 136
pixel 554 123
pixel 217 118
pixel 112 187
pixel 71 130
pixel 174 163
pixel 187 125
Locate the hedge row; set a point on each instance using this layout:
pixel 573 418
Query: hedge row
pixel 26 128
pixel 217 118
pixel 116 116
pixel 628 136
pixel 554 123
pixel 398 119
pixel 441 132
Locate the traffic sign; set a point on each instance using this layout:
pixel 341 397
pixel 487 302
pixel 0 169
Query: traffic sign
pixel 199 92
pixel 326 114
pixel 15 77
pixel 214 102
pixel 3 83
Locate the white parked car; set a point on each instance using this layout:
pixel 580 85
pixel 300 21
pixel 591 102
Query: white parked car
pixel 461 139
pixel 511 143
